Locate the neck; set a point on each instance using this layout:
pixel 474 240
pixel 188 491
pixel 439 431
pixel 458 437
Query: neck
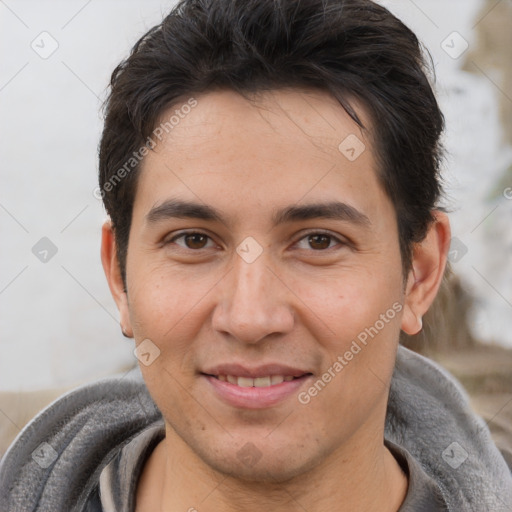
pixel 363 476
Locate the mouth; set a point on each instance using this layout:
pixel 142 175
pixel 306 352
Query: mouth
pixel 256 388
pixel 257 382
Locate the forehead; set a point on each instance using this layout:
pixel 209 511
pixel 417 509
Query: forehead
pixel 277 147
pixel 314 116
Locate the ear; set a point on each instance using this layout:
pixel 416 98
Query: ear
pixel 113 273
pixel 428 265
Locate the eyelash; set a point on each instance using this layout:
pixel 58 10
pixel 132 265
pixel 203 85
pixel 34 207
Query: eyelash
pixel 324 233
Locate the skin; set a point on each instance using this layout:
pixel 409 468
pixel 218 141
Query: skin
pixel 301 302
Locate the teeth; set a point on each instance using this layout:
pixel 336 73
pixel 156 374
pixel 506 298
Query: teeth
pixel 258 382
pixel 245 382
pixel 262 382
pixel 276 379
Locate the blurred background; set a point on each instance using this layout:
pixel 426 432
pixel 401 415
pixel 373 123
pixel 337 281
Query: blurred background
pixel 58 323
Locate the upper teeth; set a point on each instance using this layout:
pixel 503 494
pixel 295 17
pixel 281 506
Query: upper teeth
pixel 258 382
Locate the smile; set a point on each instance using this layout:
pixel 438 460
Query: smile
pixel 260 391
pixel 258 382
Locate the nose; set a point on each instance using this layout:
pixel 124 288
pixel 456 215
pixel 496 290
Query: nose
pixel 254 303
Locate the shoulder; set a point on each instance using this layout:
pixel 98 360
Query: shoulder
pixel 55 461
pixel 429 415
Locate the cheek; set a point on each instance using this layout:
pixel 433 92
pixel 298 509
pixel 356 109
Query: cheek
pixel 163 310
pixel 164 300
pixel 169 308
pixel 360 313
pixel 344 303
pixel 353 386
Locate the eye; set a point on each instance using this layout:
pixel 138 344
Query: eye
pixel 191 240
pixel 319 241
pixel 195 240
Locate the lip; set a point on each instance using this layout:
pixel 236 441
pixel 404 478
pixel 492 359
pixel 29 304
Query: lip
pixel 253 397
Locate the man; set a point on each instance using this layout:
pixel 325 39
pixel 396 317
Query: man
pixel 271 172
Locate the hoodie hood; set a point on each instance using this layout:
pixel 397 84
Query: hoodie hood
pixel 55 462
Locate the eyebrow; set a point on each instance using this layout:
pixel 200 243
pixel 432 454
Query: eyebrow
pixel 173 208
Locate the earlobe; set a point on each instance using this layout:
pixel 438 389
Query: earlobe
pixel 427 270
pixel 113 274
pixel 411 323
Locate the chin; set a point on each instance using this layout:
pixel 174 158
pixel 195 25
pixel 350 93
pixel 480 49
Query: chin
pixel 270 465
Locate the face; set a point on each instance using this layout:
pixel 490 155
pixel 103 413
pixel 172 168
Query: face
pixel 264 272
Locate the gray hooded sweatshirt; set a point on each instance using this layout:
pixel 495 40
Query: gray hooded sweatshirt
pixel 86 450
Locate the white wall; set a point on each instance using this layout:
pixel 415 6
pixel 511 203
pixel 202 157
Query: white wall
pixel 58 323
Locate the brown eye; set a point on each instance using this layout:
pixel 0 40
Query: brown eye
pixel 319 241
pixel 195 240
